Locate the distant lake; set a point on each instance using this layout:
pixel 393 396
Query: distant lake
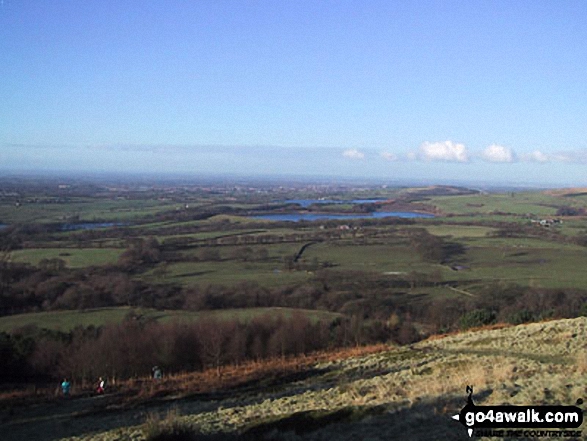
pixel 296 217
pixel 3 226
pixel 304 203
pixel 91 225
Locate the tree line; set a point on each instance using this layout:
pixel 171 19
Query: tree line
pixel 133 347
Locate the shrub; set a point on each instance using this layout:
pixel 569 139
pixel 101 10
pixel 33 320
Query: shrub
pixel 519 317
pixel 477 317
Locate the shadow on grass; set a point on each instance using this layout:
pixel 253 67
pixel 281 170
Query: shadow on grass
pixel 193 274
pixel 430 420
pixel 272 386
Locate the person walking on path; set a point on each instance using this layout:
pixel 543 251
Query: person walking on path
pixel 101 386
pixel 65 386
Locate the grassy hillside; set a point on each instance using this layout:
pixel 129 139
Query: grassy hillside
pixel 398 393
pixel 536 203
pixel 411 392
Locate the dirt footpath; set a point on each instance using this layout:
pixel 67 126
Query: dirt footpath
pixel 81 416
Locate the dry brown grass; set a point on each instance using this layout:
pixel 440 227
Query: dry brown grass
pixel 439 378
pixel 203 382
pixel 581 362
pixel 16 396
pixel 477 329
pixel 566 191
pixel 232 376
pixel 28 395
pixel 171 427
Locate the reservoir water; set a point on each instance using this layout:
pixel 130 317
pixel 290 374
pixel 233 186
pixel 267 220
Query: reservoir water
pixel 91 225
pixel 296 217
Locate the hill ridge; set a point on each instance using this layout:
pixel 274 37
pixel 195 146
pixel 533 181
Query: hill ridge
pixel 403 393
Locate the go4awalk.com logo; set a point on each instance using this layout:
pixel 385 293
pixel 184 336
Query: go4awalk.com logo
pixel 520 421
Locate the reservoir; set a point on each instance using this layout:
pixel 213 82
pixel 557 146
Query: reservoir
pixel 296 217
pixel 91 225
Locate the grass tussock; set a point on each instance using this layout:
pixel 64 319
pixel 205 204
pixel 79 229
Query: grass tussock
pixel 581 362
pixel 169 428
pixel 235 376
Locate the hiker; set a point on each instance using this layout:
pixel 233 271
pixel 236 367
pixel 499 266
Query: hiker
pixel 101 386
pixel 65 386
pixel 157 374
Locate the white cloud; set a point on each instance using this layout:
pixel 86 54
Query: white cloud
pixel 535 156
pixel 497 153
pixel 353 154
pixel 571 156
pixel 565 157
pixel 443 151
pixel 389 156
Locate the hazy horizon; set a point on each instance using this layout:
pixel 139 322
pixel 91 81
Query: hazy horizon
pixel 202 179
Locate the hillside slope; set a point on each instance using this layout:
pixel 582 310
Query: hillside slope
pixel 404 393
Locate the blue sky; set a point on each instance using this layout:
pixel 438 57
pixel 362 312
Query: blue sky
pixel 439 90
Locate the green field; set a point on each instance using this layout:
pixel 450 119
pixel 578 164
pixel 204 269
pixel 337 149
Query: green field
pixel 225 273
pixel 534 203
pixel 528 261
pixel 67 320
pixel 377 258
pixel 212 234
pixel 73 257
pixel 395 257
pixel 85 209
pixel 573 227
pixel 379 250
pixel 459 231
pixel 548 267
